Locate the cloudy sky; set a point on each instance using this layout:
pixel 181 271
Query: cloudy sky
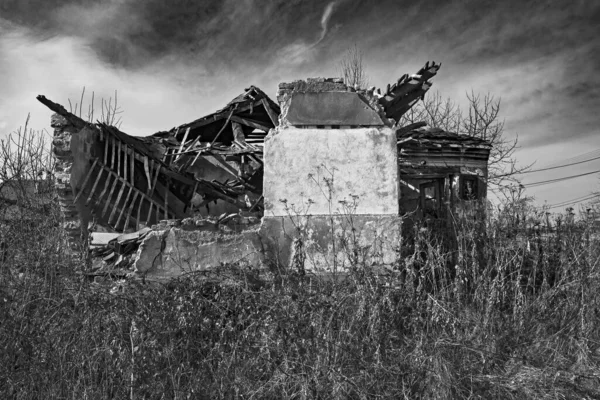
pixel 174 61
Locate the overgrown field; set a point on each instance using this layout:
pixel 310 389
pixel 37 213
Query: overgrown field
pixel 503 314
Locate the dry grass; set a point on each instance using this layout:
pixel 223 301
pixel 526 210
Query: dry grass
pixel 499 313
pixel 498 317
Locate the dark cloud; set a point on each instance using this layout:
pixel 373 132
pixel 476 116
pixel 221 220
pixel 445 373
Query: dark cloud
pixel 256 41
pixel 132 33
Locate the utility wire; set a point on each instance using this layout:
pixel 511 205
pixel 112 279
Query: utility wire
pixel 579 157
pixel 540 183
pixel 574 201
pixel 559 166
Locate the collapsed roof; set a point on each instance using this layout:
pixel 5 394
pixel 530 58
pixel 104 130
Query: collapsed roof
pixel 137 181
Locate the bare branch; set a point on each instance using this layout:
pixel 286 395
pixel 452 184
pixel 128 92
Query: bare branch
pixel 352 69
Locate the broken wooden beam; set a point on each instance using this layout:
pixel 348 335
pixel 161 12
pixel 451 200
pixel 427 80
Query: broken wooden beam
pixel 410 127
pixel 94 187
pixel 222 129
pixel 106 184
pixel 274 118
pixel 123 208
pixel 132 166
pixel 149 216
pixel 124 184
pixel 147 171
pixel 60 110
pixel 110 194
pixel 187 131
pixel 139 211
pixel 85 181
pixel 251 123
pixel 129 211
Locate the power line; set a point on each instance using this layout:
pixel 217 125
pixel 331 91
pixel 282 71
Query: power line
pixel 560 166
pixel 574 201
pixel 559 179
pixel 592 153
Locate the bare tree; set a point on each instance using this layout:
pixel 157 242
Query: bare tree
pixel 482 120
pixel 352 68
pixel 25 160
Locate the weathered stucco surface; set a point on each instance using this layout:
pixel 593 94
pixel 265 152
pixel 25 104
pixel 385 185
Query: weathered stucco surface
pixel 325 244
pixel 174 252
pixel 356 162
pixel 318 244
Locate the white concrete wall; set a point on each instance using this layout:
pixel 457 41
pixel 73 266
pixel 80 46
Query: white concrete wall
pixel 360 162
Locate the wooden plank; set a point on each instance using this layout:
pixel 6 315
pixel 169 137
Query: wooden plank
pixel 104 190
pixel 116 205
pixel 113 148
pixel 147 171
pixel 85 181
pixel 218 161
pixel 149 213
pixel 125 203
pixel 167 202
pixel 215 117
pixel 105 149
pixel 118 157
pixel 137 219
pixel 132 163
pixel 195 159
pixel 269 110
pixel 125 161
pixel 409 128
pixel 57 108
pixel 187 131
pixel 112 190
pixel 250 122
pixel 128 215
pixel 256 203
pixel 255 158
pixel 154 182
pixel 94 187
pixel 191 146
pixel 126 184
pixel 222 129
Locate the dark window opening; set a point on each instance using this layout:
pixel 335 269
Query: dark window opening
pixel 430 199
pixel 469 188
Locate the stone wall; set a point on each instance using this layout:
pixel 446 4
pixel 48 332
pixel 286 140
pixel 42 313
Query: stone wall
pixel 64 156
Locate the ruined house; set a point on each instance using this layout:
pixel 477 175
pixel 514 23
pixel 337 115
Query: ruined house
pixel 265 182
